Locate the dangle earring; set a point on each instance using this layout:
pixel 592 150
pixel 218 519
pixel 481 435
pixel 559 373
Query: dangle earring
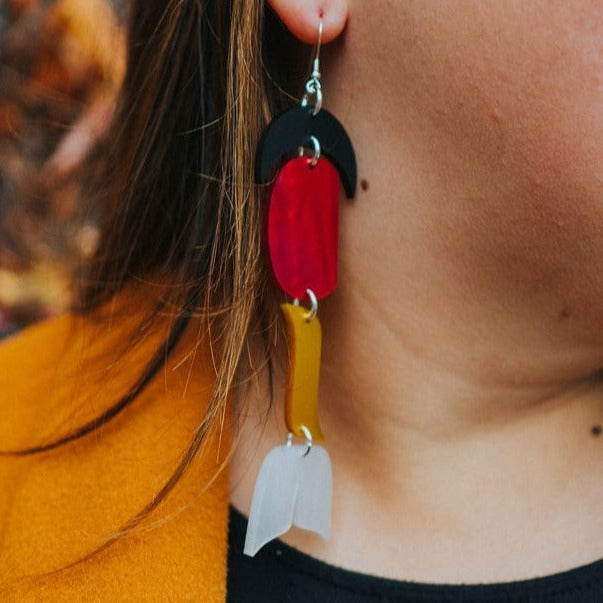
pixel 309 151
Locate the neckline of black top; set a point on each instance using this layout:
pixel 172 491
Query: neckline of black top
pixel 292 565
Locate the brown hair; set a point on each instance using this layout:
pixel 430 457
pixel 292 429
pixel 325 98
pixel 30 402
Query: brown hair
pixel 179 197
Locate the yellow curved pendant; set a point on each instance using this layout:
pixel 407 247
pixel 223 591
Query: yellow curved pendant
pixel 301 398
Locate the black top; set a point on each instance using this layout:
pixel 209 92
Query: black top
pixel 279 573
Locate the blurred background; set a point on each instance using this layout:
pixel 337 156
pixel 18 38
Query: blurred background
pixel 61 65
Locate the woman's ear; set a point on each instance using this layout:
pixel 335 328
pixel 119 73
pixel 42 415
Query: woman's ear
pixel 301 17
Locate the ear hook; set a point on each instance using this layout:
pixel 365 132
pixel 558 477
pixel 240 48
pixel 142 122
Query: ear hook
pixel 316 65
pixel 313 86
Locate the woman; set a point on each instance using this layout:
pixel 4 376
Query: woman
pixel 460 378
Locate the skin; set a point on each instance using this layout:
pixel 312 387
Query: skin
pixel 463 348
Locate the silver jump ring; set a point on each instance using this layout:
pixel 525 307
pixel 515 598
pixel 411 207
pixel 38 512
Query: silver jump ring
pixel 314 307
pixel 317 150
pixel 313 89
pixel 308 436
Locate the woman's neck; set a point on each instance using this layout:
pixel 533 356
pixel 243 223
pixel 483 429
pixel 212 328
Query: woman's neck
pixel 441 475
pixel 462 356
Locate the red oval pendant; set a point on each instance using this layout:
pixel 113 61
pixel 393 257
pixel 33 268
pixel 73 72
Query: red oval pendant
pixel 303 218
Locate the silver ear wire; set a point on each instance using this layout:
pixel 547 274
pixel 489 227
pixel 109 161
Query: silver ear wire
pixel 313 85
pixel 316 63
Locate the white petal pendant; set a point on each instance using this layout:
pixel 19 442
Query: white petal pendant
pixel 294 487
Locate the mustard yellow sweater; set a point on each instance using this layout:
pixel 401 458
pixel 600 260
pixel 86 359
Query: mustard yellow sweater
pixel 57 506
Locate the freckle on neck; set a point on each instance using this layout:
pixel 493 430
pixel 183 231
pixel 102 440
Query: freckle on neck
pixel 595 431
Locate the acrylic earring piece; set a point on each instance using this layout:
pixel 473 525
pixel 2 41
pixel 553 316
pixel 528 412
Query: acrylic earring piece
pixel 302 227
pixel 294 485
pixel 292 489
pixel 304 336
pixel 295 128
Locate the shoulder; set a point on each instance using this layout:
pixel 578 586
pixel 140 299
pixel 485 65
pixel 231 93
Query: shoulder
pixel 37 348
pixel 73 367
pixel 38 368
pixel 61 504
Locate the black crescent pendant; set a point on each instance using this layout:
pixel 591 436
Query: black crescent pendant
pixel 293 129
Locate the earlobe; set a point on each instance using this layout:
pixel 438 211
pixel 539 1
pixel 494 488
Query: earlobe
pixel 301 17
